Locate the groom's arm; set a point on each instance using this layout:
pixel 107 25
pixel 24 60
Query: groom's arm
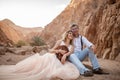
pixel 88 43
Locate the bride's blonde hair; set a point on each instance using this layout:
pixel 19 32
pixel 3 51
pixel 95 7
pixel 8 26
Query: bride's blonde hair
pixel 64 36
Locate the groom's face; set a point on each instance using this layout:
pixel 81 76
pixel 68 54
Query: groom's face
pixel 75 30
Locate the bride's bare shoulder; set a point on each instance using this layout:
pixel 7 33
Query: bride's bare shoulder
pixel 59 41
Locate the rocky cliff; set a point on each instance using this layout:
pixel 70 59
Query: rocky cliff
pixel 9 32
pixel 99 21
pixel 4 41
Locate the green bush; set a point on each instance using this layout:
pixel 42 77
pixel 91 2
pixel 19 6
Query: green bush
pixel 37 41
pixel 20 43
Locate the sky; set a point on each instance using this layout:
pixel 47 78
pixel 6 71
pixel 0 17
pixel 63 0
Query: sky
pixel 31 13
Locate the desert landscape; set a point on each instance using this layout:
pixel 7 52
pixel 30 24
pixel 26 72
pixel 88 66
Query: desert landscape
pixel 98 20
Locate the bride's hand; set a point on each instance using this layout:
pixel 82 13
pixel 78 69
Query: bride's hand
pixel 63 59
pixel 62 51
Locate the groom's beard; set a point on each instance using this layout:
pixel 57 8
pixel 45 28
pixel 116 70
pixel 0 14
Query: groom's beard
pixel 76 35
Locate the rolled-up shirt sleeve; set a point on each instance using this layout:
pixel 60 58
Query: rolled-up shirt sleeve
pixel 86 42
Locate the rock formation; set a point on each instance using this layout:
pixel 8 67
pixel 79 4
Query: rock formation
pixel 99 21
pixel 4 41
pixel 11 33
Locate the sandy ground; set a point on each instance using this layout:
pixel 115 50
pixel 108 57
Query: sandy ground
pixel 110 66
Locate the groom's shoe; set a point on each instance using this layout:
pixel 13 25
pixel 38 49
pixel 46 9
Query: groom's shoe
pixel 98 71
pixel 87 73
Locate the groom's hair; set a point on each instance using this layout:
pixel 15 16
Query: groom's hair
pixel 73 25
pixel 62 47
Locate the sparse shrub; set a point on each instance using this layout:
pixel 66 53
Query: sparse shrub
pixel 37 41
pixel 20 43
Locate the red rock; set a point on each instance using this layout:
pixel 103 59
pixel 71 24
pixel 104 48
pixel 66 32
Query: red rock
pixel 13 33
pixel 99 21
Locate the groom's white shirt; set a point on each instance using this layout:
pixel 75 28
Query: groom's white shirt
pixel 77 43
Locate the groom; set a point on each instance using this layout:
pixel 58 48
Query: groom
pixel 80 54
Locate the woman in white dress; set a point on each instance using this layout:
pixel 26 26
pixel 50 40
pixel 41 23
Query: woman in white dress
pixel 44 67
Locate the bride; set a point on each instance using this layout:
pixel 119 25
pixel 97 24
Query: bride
pixel 44 67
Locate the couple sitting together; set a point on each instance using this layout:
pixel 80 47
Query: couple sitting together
pixel 63 61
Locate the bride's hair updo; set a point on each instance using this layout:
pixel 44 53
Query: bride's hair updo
pixel 62 47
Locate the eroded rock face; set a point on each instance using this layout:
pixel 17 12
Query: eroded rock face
pixel 99 21
pixel 4 40
pixel 11 32
pixel 104 29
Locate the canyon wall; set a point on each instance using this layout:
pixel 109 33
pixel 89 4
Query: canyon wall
pixel 98 20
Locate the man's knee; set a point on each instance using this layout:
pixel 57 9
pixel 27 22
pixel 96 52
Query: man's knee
pixel 87 49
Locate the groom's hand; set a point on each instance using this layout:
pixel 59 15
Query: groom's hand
pixel 92 48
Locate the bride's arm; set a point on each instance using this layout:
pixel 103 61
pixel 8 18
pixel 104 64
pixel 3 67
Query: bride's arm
pixel 67 54
pixel 55 46
pixel 71 51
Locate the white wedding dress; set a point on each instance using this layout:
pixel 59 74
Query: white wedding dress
pixel 39 67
